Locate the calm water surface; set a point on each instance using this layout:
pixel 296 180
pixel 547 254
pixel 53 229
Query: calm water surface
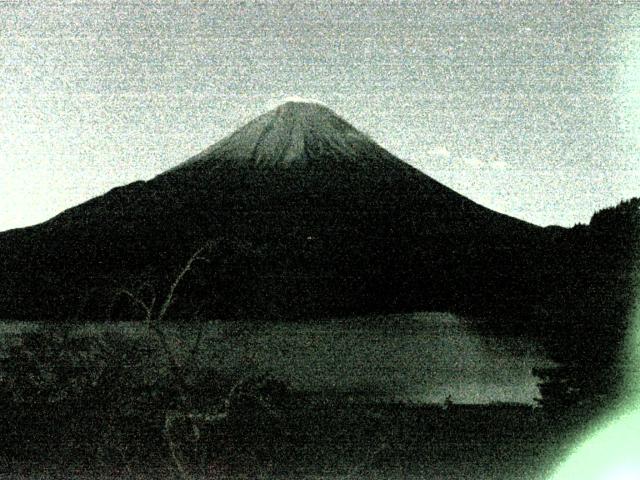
pixel 418 357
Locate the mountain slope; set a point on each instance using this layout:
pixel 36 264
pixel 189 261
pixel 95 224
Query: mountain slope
pixel 309 217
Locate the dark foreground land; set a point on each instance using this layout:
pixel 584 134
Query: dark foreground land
pixel 115 404
pixel 309 438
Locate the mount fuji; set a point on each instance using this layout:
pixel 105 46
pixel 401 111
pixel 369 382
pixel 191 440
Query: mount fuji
pixel 309 217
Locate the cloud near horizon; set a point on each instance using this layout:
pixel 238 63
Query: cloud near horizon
pixel 441 152
pixel 493 162
pixel 474 162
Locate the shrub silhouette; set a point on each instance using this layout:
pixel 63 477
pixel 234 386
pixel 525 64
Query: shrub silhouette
pixel 77 393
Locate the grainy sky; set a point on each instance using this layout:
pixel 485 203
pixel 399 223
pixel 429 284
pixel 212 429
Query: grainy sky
pixel 531 108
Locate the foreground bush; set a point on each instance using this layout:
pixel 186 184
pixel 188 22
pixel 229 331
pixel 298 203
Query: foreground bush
pixel 108 397
pixel 71 393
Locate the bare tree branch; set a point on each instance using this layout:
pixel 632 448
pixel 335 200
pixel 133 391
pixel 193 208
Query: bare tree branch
pixel 196 346
pixel 154 324
pixel 148 309
pixel 170 296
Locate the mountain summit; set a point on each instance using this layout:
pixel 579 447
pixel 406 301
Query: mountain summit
pixel 295 134
pixel 309 216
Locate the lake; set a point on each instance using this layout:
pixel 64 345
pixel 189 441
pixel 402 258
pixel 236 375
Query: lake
pixel 418 357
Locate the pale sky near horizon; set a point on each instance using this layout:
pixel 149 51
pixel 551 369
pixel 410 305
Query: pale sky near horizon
pixel 530 108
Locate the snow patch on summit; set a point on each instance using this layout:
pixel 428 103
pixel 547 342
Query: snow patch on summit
pixel 294 99
pixel 294 133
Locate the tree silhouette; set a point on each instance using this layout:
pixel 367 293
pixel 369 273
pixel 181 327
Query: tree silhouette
pixel 588 306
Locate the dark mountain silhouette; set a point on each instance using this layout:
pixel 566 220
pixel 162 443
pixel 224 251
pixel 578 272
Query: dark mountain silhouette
pixel 308 217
